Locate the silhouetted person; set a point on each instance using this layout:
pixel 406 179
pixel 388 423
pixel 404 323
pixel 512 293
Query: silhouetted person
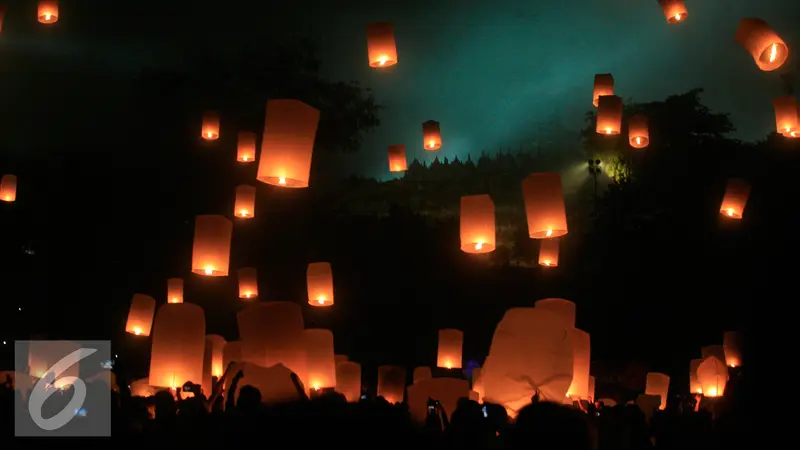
pixel 549 426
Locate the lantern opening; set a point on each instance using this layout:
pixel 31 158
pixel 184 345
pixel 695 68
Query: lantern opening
pixel 8 198
pixel 282 181
pixel 137 331
pixel 677 17
pixel 546 262
pixel 244 158
pixel 448 365
pixel 431 143
pixel 248 294
pixel 243 213
pixel 712 392
pixel 549 232
pixel 173 300
pixel 382 60
pixel 209 270
pixel 478 245
pixel 730 212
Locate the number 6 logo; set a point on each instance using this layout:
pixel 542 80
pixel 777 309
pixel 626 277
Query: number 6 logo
pixel 40 393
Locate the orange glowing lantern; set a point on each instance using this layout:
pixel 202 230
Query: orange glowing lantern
pixel 140 316
pixel 272 333
pixel 211 250
pixel 288 143
pixel 348 380
pixel 735 199
pixel 381 48
pixel 732 345
pixel 48 11
pixel 421 373
pixel 175 290
pixel 431 135
pixel 712 374
pixel 217 344
pixel 674 10
pixel 245 204
pixel 210 128
pixel 564 310
pixel 248 283
pixel 246 147
pixel 548 252
pixel 8 188
pixel 392 383
pixel 320 362
pixel 397 158
pixel 232 352
pixel 657 384
pixel 477 224
pixel 787 116
pixel 319 278
pixel 179 342
pixel 581 362
pixel 766 47
pixel 609 115
pixel 603 85
pixel 451 343
pixel 544 205
pixel 43 355
pixel 638 131
pixel 694 383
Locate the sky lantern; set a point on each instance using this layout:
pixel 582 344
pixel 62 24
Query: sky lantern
pixel 210 128
pixel 548 252
pixel 431 135
pixel 564 309
pixel 245 204
pixel 140 316
pixel 787 116
pixel 544 205
pixel 246 147
pixel 735 199
pixel 175 290
pixel 732 345
pixel 477 224
pixel 603 85
pixel 272 333
pixel 48 11
pixel 397 158
pixel 8 188
pixel 381 48
pixel 764 45
pixel 451 343
pixel 217 344
pixel 712 374
pixel 674 10
pixel 657 384
pixel 694 383
pixel 581 362
pixel 609 115
pixel 179 342
pixel 320 362
pixel 211 250
pixel 421 373
pixel 392 383
pixel 232 352
pixel 319 279
pixel 43 355
pixel 348 380
pixel 248 283
pixel 288 143
pixel 638 131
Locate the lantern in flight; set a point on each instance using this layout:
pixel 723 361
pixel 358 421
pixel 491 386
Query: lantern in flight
pixel 381 48
pixel 712 374
pixel 246 147
pixel 248 283
pixel 450 344
pixel 787 116
pixel 431 135
pixel 8 188
pixel 348 380
pixel 232 352
pixel 272 333
pixel 694 384
pixel 581 363
pixel 48 11
pixel 245 203
pixel 288 143
pixel 603 85
pixel 43 355
pixel 210 129
pixel 175 290
pixel 140 316
pixel 392 383
pixel 657 384
pixel 320 362
pixel 638 131
pixel 319 278
pixel 397 158
pixel 548 252
pixel 735 199
pixel 563 309
pixel 732 345
pixel 609 115
pixel 421 373
pixel 477 224
pixel 674 10
pixel 217 344
pixel 764 45
pixel 179 342
pixel 211 249
pixel 544 205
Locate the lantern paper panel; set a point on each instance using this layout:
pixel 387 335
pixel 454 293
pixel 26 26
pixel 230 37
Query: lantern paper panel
pixel 548 252
pixel 735 199
pixel 141 388
pixel 591 388
pixel 272 333
pixel 248 283
pixel 609 115
pixel 717 351
pixel 392 383
pixel 787 116
pixel 712 374
pixel 210 127
pixel 447 391
pixel 657 384
pixel 319 278
pixel 477 224
pixel 674 10
pixel 140 316
pixel 381 48
pixel 431 135
pixel 232 352
pixel 397 158
pixel 732 345
pixel 348 380
pixel 340 358
pixel 246 147
pixel 175 290
pixel 544 205
pixel 211 250
pixel 451 343
pixel 288 143
pixel 43 355
pixel 8 188
pixel 694 383
pixel 208 378
pixel 48 11
pixel 564 310
pixel 581 362
pixel 768 50
pixel 179 341
pixel 320 361
pixel 638 131
pixel 245 204
pixel 421 373
pixel 603 85
pixel 218 345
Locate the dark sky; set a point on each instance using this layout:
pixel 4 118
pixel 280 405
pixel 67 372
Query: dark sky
pixel 493 73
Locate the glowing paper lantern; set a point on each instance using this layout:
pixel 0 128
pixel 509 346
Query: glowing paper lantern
pixel 48 11
pixel 674 10
pixel 381 48
pixel 175 290
pixel 8 188
pixel 248 283
pixel 421 373
pixel 581 362
pixel 208 378
pixel 218 345
pixel 232 352
pixel 564 310
pixel 609 115
pixel 712 375
pixel 735 199
pixel 544 205
pixel 319 279
pixel 272 333
pixel 179 341
pixel 446 390
pixel 787 116
pixel 397 158
pixel 591 388
pixel 392 383
pixel 603 85
pixel 548 252
pixel 42 355
pixel 638 131
pixel 451 343
pixel 732 344
pixel 245 206
pixel 348 380
pixel 431 135
pixel 288 143
pixel 211 250
pixel 320 362
pixel 764 45
pixel 210 128
pixel 140 316
pixel 477 224
pixel 694 383
pixel 657 384
pixel 246 147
